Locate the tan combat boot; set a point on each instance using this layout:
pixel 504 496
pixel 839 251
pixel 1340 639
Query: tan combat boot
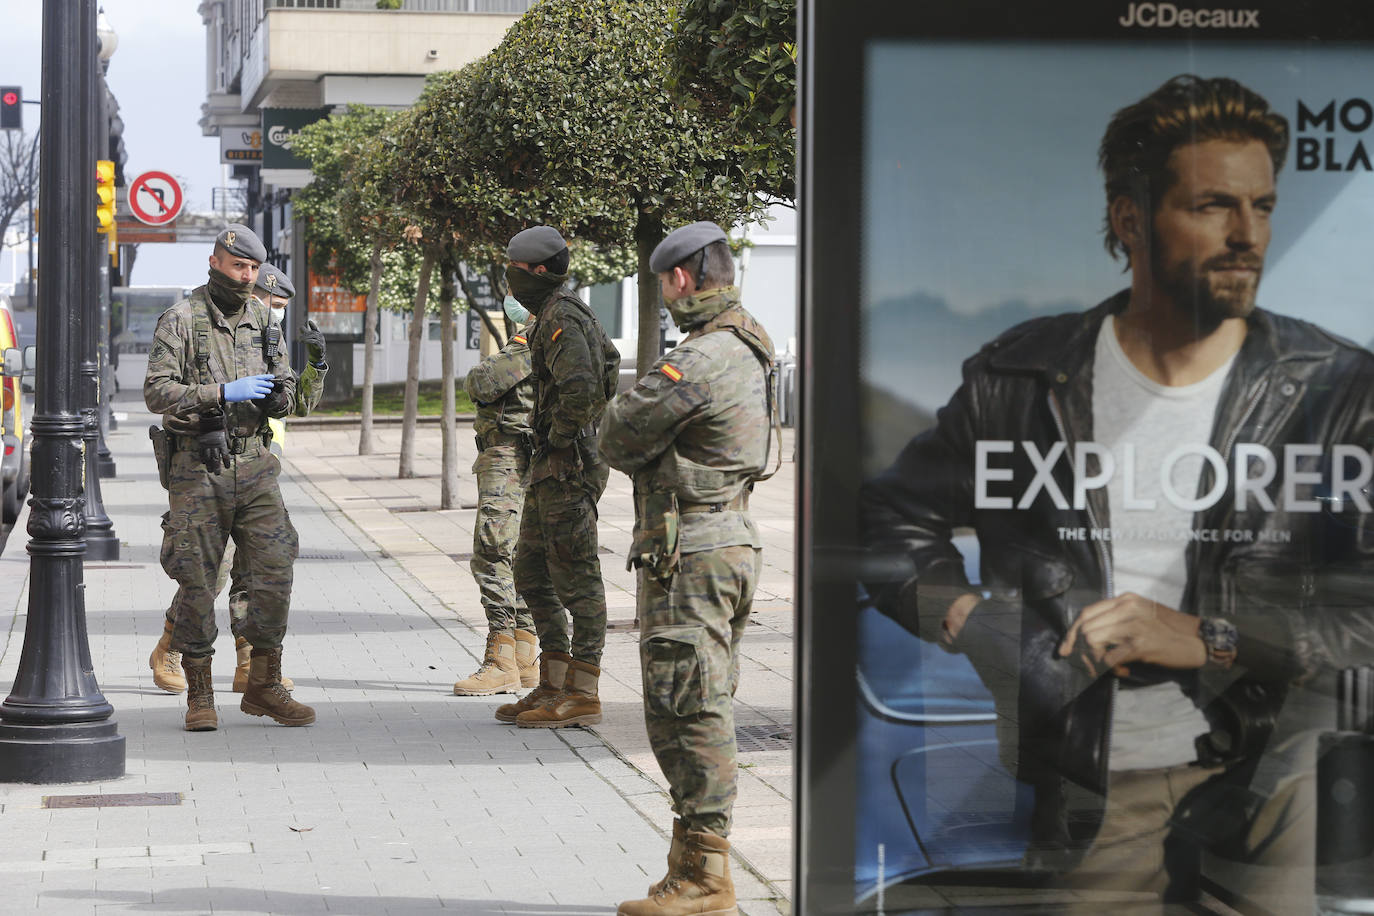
pixel 527 657
pixel 699 886
pixel 166 663
pixel 674 855
pixel 242 650
pixel 266 696
pixel 200 695
pixel 576 704
pixel 499 672
pixel 553 669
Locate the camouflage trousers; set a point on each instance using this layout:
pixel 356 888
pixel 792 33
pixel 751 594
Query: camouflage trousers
pixel 244 502
pixel 233 570
pixel 557 569
pixel 500 496
pixel 689 643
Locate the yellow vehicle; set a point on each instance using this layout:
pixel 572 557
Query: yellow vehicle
pixel 14 433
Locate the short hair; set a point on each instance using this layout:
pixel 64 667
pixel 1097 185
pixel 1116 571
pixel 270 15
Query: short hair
pixel 712 267
pixel 1135 150
pixel 557 264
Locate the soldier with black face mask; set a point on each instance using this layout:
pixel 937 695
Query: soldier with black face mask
pixel 216 377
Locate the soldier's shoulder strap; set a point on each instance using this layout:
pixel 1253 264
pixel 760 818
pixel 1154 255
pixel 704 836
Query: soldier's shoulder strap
pixel 200 326
pixel 747 328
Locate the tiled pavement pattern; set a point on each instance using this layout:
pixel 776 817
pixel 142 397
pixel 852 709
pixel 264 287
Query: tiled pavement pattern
pixel 402 798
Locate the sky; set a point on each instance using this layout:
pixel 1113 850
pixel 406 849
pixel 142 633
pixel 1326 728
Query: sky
pixel 157 75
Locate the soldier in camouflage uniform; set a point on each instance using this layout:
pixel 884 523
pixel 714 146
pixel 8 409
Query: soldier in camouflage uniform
pixel 693 435
pixel 503 389
pixel 276 289
pixel 557 569
pixel 216 374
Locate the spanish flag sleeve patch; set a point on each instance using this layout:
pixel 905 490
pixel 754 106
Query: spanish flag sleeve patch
pixel 673 372
pixel 555 335
pixel 519 339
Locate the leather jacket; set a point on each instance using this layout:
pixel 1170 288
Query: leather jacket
pixel 1297 585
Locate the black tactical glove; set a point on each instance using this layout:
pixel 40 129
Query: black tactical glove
pixel 212 442
pixel 275 403
pixel 313 338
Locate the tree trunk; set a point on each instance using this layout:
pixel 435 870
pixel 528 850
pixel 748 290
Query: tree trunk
pixel 448 487
pixel 648 233
pixel 412 397
pixel 370 351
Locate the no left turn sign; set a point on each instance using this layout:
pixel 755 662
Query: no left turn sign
pixel 155 198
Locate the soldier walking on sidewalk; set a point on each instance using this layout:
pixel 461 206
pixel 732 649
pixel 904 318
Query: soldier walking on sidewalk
pixel 276 288
pixel 216 374
pixel 557 569
pixel 693 434
pixel 503 389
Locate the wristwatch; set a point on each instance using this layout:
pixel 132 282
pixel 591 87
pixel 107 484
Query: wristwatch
pixel 1220 636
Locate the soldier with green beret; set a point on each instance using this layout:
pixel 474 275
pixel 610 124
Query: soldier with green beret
pixel 217 373
pixel 502 387
pixel 557 570
pixel 693 435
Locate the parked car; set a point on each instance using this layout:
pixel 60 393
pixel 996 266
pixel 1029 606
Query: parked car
pixel 14 432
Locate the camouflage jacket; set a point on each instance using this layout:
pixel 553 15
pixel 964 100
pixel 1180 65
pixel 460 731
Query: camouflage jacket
pixel 575 368
pixel 196 349
pixel 697 426
pixel 503 389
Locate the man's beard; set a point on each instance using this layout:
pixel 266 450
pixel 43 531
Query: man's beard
pixel 1209 298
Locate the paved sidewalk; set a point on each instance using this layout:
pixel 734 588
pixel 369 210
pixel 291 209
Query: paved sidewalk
pixel 402 798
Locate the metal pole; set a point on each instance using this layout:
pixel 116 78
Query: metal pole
pixel 101 541
pixel 56 727
pixel 105 461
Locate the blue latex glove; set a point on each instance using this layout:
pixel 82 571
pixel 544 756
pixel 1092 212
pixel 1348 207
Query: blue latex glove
pixel 247 388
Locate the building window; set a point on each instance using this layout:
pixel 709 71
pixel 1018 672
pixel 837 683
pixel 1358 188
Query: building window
pixel 606 300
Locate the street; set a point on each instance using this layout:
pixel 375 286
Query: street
pixel 402 798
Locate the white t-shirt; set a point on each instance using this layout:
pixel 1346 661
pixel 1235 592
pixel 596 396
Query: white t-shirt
pixel 1148 426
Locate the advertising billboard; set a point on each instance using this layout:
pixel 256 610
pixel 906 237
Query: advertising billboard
pixel 1086 537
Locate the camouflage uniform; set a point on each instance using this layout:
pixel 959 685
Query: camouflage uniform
pixel 196 349
pixel 557 569
pixel 693 435
pixel 309 390
pixel 503 390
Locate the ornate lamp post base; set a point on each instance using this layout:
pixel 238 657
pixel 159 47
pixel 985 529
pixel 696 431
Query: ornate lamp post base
pixel 83 752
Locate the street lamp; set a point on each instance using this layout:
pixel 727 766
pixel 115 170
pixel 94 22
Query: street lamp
pixel 56 726
pixel 105 38
pixel 101 541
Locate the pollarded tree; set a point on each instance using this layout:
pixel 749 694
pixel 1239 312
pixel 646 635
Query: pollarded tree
pixel 736 60
pixel 571 122
pixel 351 218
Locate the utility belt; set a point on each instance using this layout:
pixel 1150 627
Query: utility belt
pixel 238 445
pixel 496 437
pixel 739 504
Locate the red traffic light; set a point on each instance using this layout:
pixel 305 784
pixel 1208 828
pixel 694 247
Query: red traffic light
pixel 11 98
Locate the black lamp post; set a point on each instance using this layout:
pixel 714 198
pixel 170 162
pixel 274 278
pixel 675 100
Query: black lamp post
pixel 56 726
pixel 101 541
pixel 106 42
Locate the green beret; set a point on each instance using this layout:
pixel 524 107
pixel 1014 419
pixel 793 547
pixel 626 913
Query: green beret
pixel 535 244
pixel 239 240
pixel 275 283
pixel 683 243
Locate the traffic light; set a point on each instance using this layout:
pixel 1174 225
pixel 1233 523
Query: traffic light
pixel 11 108
pixel 105 195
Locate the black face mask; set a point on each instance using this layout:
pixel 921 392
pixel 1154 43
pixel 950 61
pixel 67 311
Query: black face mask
pixel 531 289
pixel 228 294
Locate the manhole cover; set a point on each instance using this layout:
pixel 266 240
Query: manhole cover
pixel 763 738
pixel 129 800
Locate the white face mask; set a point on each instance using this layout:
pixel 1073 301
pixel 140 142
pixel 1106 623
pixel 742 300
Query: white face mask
pixel 278 316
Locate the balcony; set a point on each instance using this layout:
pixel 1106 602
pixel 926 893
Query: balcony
pixel 320 50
